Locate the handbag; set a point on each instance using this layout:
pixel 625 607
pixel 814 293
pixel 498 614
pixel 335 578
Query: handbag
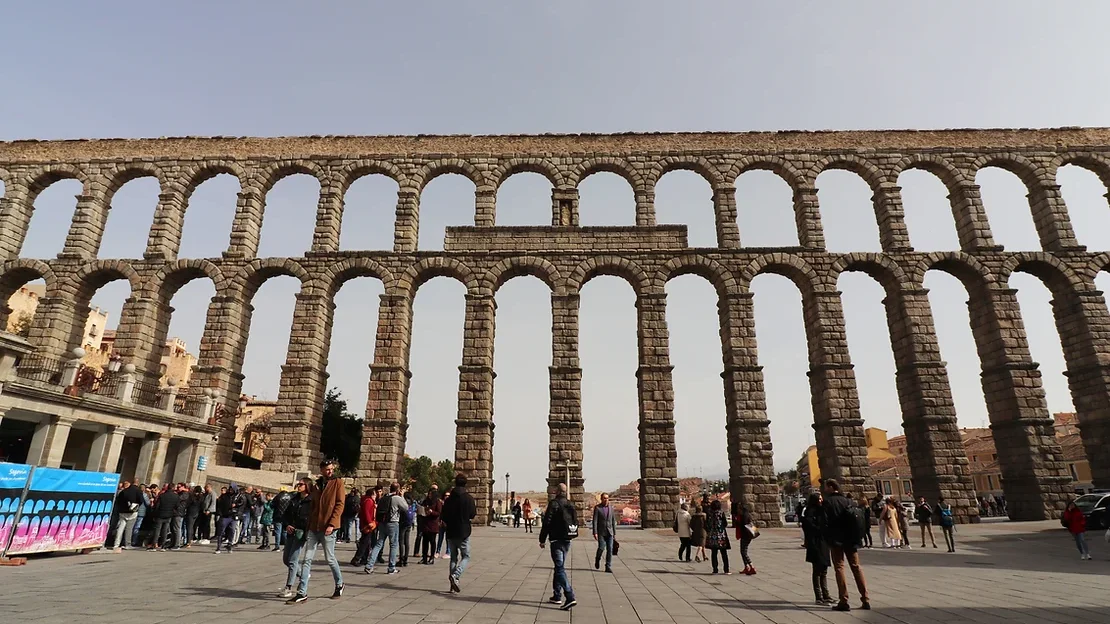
pixel 617 545
pixel 751 531
pixel 674 527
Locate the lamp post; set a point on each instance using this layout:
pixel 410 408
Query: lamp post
pixel 508 503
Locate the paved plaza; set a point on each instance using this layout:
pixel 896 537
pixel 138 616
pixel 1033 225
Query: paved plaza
pixel 1003 573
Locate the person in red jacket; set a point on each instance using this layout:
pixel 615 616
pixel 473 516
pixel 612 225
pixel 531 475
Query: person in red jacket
pixel 367 509
pixel 1077 525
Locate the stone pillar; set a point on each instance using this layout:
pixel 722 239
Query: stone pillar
pixel 972 227
pixel 474 426
pixel 383 430
pixel 247 226
pixel 1084 326
pixel 152 458
pixel 564 207
pixel 16 206
pixel 658 456
pixel 1034 477
pixel 86 229
pixel 105 451
pixel 169 222
pixel 841 443
pixel 893 235
pixel 298 417
pixel 329 218
pixel 1050 216
pixel 724 210
pixel 751 469
pixel 48 443
pixel 58 324
pixel 807 216
pixel 564 422
pixel 485 207
pixel 934 444
pixel 141 336
pixel 645 207
pixel 185 468
pixel 406 226
pixel 220 360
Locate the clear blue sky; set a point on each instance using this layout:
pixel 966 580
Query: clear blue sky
pixel 130 69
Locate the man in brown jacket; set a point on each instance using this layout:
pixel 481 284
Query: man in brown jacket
pixel 326 496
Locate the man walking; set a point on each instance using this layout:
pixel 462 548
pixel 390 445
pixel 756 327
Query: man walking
pixel 560 522
pixel 367 525
pixel 163 528
pixel 227 510
pixel 325 514
pixel 388 516
pixel 207 515
pixel 458 511
pixel 842 533
pixel 924 515
pixel 947 524
pixel 128 502
pixel 605 529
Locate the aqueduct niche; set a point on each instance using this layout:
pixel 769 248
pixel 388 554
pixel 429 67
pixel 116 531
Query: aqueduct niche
pixel 565 256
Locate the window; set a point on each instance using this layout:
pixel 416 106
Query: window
pixel 974 458
pixel 886 488
pixel 1074 474
pixel 878 486
pixel 907 488
pixel 990 482
pixel 994 455
pixel 92 330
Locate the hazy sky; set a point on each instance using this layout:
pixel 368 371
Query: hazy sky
pixel 142 69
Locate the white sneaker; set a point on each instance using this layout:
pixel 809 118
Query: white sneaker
pixel 286 592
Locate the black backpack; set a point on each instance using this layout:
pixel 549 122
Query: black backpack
pixel 570 519
pixel 381 514
pixel 855 525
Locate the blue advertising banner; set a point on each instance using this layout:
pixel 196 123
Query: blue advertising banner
pixel 64 510
pixel 13 480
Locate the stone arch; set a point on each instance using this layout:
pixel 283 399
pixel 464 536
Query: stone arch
pixel 608 164
pixel 16 274
pixel 418 274
pixel 952 177
pixel 973 274
pixel 862 167
pixel 335 276
pixel 1053 272
pixel 518 266
pixel 515 165
pixel 1097 265
pixel 1027 171
pixel 173 276
pixel 126 172
pixel 43 177
pixel 258 271
pixel 691 264
pixel 880 267
pixel 775 164
pixel 1099 164
pixel 792 267
pixel 199 174
pixel 609 265
pixel 697 164
pixel 272 173
pixel 354 170
pixel 436 168
pixel 91 276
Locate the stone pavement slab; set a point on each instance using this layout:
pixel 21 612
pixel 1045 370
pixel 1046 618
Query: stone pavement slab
pixel 1003 573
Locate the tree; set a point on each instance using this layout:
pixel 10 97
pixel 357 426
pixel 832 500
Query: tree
pixel 22 325
pixel 341 435
pixel 422 473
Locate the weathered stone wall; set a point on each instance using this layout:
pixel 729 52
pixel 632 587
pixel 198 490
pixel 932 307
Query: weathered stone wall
pixel 565 257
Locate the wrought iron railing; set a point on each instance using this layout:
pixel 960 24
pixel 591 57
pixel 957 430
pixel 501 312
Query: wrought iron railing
pixel 147 393
pixel 40 368
pixel 105 384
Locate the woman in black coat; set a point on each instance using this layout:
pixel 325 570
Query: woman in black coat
pixel 817 549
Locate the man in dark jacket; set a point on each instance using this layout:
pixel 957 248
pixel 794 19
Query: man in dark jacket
pixel 128 502
pixel 924 515
pixel 227 512
pixel 843 537
pixel 294 523
pixel 557 517
pixel 458 511
pixel 279 503
pixel 164 510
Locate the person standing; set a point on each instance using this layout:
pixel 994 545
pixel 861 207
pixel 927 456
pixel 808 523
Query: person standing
pixel 1076 524
pixel 817 548
pixel 605 529
pixel 889 522
pixel 179 512
pixel 697 534
pixel 128 502
pixel 192 514
pixel 878 506
pixel 458 511
pixel 207 516
pixel 227 509
pixel 683 526
pixel 745 532
pixel 367 525
pixel 947 524
pixel 280 503
pixel 924 515
pixel 526 510
pixel 903 524
pixel 165 508
pixel 842 534
pixel 294 523
pixel 406 528
pixel 716 535
pixel 350 517
pixel 863 504
pixel 266 521
pixel 560 522
pixel 325 514
pixel 433 506
pixel 390 510
pixel 518 511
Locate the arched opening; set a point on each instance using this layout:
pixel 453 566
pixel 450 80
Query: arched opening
pixel 869 346
pixel 610 406
pixel 1085 196
pixel 268 339
pixel 948 301
pixel 183 335
pixel 369 211
pixel 445 201
pixel 1006 202
pixel 209 213
pixel 438 315
pixel 784 355
pixel 21 294
pixel 289 218
pixel 699 409
pixel 524 199
pixel 129 219
pixel 685 197
pixel 765 210
pixel 521 403
pixel 353 340
pixel 51 219
pixel 605 198
pixel 98 336
pixel 928 212
pixel 1035 300
pixel 847 212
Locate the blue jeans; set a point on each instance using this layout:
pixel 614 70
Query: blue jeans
pixel 312 540
pixel 389 530
pixel 291 557
pixel 604 542
pixel 460 556
pixel 560 585
pixel 279 535
pixel 1081 543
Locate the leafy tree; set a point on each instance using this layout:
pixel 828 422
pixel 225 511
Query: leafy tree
pixel 341 436
pixel 422 473
pixel 22 325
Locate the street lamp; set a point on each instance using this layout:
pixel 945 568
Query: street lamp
pixel 114 362
pixel 509 504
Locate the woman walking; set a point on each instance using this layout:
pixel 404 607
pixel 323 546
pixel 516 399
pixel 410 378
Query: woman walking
pixel 903 524
pixel 716 534
pixel 192 512
pixel 526 510
pixel 697 533
pixel 266 520
pixel 817 549
pixel 742 520
pixel 432 508
pixel 1077 525
pixel 682 525
pixel 889 518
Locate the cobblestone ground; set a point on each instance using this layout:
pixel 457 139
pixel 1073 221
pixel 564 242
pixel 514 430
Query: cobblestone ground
pixel 1003 573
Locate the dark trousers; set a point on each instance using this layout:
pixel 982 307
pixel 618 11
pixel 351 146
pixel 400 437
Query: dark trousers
pixel 204 530
pixel 820 581
pixel 362 551
pixel 429 544
pixel 684 548
pixel 744 543
pixel 406 532
pixel 724 558
pixel 190 528
pixel 225 529
pixel 867 536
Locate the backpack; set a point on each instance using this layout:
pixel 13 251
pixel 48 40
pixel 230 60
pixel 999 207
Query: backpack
pixel 381 514
pixel 570 519
pixel 946 519
pixel 855 525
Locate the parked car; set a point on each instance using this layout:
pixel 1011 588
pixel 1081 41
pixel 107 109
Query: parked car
pixel 1096 509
